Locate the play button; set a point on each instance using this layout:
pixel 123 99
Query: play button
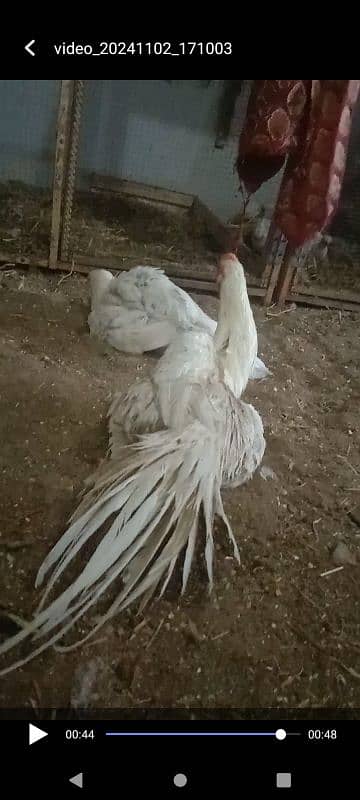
pixel 35 734
pixel 78 780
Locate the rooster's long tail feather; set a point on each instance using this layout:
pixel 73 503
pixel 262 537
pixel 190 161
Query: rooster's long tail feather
pixel 151 501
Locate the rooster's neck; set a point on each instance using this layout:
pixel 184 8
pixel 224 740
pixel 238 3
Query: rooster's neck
pixel 235 336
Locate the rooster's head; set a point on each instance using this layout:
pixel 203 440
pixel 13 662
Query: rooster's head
pixel 230 270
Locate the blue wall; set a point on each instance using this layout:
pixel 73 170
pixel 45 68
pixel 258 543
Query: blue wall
pixel 28 115
pixel 163 134
pixel 149 131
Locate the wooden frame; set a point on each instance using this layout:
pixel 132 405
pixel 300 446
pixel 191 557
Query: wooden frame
pixel 276 280
pixel 226 236
pixel 348 301
pixel 284 278
pixel 61 153
pixel 283 288
pixel 106 184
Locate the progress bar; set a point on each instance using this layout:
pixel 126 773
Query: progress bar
pixel 280 734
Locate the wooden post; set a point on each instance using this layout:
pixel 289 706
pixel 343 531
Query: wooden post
pixel 276 250
pixel 285 276
pixel 62 145
pixel 72 162
pixel 268 251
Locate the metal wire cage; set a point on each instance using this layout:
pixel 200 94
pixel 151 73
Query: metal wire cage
pixel 145 174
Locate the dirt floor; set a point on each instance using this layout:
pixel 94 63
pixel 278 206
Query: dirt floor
pixel 276 632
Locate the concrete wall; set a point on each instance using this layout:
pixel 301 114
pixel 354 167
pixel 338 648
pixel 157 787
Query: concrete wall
pixel 164 134
pixel 156 132
pixel 28 115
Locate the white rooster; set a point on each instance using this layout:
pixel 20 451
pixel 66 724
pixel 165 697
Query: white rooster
pixel 144 508
pixel 143 310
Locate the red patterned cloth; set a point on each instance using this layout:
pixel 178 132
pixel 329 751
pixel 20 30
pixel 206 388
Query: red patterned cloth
pixel 309 122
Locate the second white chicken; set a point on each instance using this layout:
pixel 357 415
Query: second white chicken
pixel 143 310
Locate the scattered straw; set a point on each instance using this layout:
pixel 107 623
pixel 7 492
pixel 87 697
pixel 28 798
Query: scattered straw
pixel 330 571
pixel 137 629
pixel 155 633
pixel 67 275
pixel 279 313
pixel 349 464
pixel 219 636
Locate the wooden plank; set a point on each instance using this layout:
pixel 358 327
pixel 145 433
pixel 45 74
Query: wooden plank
pixel 118 263
pixel 286 276
pixel 265 278
pixel 201 287
pixel 321 302
pixel 282 273
pixel 199 283
pixel 85 264
pixel 273 279
pixel 332 294
pixel 84 268
pixel 62 145
pixel 211 287
pixel 269 265
pixel 105 183
pixel 256 291
pixel 12 260
pixel 40 263
pixel 186 280
pixel 173 270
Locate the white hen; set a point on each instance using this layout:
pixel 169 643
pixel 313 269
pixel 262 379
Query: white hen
pixel 150 494
pixel 143 310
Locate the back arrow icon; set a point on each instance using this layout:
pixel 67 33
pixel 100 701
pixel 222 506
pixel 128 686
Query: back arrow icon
pixel 28 47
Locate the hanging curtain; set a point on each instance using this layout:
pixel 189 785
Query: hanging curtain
pixel 307 125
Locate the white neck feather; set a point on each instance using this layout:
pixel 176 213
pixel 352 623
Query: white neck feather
pixel 100 280
pixel 235 338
